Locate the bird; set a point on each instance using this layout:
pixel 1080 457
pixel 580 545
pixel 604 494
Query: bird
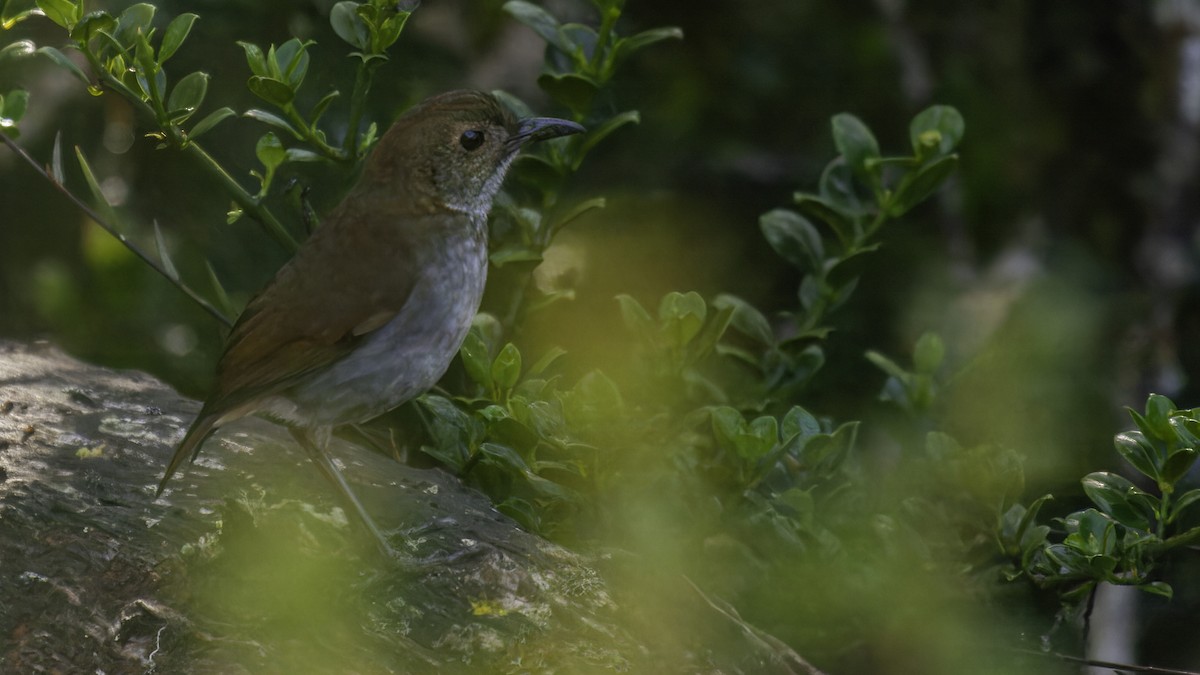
pixel 375 304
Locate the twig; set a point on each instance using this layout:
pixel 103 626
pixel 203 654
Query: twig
pixel 774 645
pixel 107 227
pixel 1109 664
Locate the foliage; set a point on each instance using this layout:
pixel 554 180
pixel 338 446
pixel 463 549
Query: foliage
pixel 716 459
pixel 1130 531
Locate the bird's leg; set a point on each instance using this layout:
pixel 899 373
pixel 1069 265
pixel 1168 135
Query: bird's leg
pixel 316 452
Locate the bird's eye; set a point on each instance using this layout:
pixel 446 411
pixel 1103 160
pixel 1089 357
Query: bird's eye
pixel 471 139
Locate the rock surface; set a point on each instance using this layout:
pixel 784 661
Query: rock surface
pixel 245 565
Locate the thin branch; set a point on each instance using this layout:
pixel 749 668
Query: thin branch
pixel 1109 664
pixel 768 642
pixel 107 227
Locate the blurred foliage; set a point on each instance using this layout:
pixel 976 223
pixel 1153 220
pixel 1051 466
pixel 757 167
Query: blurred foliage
pixel 877 514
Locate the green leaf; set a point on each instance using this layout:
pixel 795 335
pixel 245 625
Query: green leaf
pixel 572 90
pixel 506 368
pixel 810 291
pixel 514 253
pixel 758 438
pixel 134 21
pixel 727 424
pixel 476 360
pixel 938 127
pixel 1159 409
pixel 91 25
pixel 627 46
pixel 595 203
pixel 1138 451
pixel 794 239
pixel 13 13
pixel 187 96
pixel 928 354
pixel 270 151
pixel 1160 588
pixel 349 26
pixel 292 60
pixel 177 31
pixel 855 142
pixel 942 447
pixel 682 316
pixel 153 87
pixel 923 184
pixel 506 456
pixel 799 422
pixel 1030 517
pixel 18 50
pixel 547 359
pixel 710 333
pixel 1186 430
pixel 1177 465
pixel 595 398
pixel 636 318
pixel 838 187
pixel 746 319
pixel 61 59
pixel 842 292
pixel 390 31
pixel 1112 493
pixel 56 165
pixel 302 155
pixel 271 90
pixel 452 431
pixel 824 210
pixel 825 453
pixel 255 59
pixel 222 299
pixel 519 108
pixel 319 109
pixel 12 107
pixel 609 125
pixel 1182 502
pixel 62 12
pixel 163 256
pixel 105 209
pixel 274 120
pixel 211 120
pixel 513 432
pixel 540 21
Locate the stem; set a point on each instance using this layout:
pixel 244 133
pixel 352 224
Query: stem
pixel 133 248
pixel 358 99
pixel 607 20
pixel 244 199
pixel 179 139
pixel 312 138
pixel 880 219
pixel 1181 539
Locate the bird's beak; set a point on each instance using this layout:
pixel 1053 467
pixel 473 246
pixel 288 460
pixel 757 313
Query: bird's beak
pixel 533 129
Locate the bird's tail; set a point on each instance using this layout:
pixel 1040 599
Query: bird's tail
pixel 201 429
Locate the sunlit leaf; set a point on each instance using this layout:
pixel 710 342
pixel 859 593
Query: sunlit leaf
pixel 177 31
pixel 211 120
pixel 855 142
pixel 61 59
pixel 940 126
pixel 164 256
pixel 187 96
pixel 506 368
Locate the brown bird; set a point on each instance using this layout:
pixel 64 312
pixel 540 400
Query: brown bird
pixel 376 303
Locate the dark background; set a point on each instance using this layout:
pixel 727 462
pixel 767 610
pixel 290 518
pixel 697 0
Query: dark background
pixel 1059 265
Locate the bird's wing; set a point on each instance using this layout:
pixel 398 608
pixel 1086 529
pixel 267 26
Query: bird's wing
pixel 349 279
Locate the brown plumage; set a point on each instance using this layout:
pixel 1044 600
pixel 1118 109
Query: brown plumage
pixel 373 307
